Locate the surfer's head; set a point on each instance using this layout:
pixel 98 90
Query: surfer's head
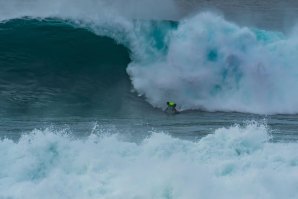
pixel 171 104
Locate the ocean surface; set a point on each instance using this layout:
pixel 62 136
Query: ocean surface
pixel 83 86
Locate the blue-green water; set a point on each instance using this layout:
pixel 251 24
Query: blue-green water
pixel 82 92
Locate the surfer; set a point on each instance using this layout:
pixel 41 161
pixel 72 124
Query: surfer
pixel 171 108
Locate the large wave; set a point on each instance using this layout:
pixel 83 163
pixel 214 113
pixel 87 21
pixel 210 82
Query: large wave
pixel 202 62
pixel 234 162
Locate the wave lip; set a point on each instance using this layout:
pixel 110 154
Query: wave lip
pixel 235 162
pixel 86 10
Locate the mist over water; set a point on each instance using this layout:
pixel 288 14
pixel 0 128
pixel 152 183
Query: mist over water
pixel 270 14
pixel 90 9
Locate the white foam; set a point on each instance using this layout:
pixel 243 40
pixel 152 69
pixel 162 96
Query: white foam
pixel 236 162
pixel 213 64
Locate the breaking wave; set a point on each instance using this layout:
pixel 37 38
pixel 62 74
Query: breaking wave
pixel 200 62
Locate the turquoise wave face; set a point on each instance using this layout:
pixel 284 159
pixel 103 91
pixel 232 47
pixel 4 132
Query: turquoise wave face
pixel 55 65
pixel 28 43
pixel 50 64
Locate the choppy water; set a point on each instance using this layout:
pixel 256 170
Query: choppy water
pixel 83 86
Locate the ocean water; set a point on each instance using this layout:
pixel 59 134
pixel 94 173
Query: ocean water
pixel 83 85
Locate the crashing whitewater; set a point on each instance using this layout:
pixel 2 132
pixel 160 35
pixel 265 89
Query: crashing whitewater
pixel 234 162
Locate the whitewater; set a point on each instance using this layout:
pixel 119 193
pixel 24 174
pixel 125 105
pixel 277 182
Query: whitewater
pixel 234 162
pixel 83 85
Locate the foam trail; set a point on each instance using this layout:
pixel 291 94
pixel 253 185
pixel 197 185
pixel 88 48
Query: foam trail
pixel 235 162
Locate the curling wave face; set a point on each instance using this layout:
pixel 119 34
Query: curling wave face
pixel 201 62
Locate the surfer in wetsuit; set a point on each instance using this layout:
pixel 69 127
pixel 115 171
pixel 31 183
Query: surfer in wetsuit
pixel 171 108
